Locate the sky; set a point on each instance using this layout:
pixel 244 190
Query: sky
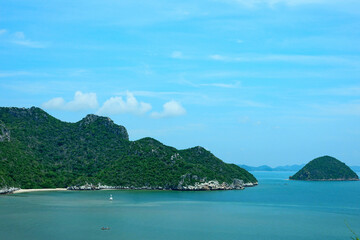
pixel 255 82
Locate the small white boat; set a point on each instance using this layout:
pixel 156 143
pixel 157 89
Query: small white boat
pixel 111 198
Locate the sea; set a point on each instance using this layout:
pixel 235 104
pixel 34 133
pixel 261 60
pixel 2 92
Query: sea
pixel 276 209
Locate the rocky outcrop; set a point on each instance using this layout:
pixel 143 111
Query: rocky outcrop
pixel 7 190
pixel 105 187
pixel 250 184
pixel 4 133
pixel 33 113
pixel 212 185
pixel 203 184
pixel 105 122
pixel 237 184
pixel 83 187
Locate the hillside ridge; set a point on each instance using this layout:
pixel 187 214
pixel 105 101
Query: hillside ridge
pixel 40 151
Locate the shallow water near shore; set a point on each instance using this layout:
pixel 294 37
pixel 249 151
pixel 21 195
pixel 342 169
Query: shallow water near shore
pixel 276 209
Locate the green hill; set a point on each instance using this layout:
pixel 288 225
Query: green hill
pixel 325 168
pixel 40 151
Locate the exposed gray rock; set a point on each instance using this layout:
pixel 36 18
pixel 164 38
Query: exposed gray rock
pixel 198 186
pixel 203 184
pixel 212 185
pixel 237 184
pixel 83 187
pixel 4 133
pixel 250 184
pixel 35 113
pixel 7 190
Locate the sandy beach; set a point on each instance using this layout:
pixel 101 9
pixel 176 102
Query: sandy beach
pixel 39 190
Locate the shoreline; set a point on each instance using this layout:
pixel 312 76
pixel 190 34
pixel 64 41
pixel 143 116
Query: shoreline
pixel 207 186
pixel 39 190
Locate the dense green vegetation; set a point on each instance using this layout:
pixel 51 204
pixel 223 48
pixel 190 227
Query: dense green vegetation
pixel 38 150
pixel 325 168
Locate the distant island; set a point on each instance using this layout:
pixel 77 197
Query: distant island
pixel 294 167
pixel 325 168
pixel 40 151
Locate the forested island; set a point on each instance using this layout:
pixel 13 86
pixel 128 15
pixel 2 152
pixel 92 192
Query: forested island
pixel 40 151
pixel 325 168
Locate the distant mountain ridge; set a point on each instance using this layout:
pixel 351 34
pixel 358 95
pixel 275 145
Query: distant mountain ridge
pixel 40 151
pixel 294 167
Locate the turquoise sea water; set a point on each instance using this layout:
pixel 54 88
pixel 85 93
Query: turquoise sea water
pixel 276 209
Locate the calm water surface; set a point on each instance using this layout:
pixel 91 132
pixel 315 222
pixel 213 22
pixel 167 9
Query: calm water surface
pixel 276 209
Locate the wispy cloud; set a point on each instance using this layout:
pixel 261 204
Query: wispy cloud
pixel 248 120
pixel 159 94
pixel 14 74
pixel 20 39
pixel 166 130
pixel 218 57
pixel 117 105
pixel 341 91
pixel 252 104
pixel 351 108
pixel 81 101
pixel 306 59
pixel 177 55
pixel 274 3
pixel 170 109
pixel 235 84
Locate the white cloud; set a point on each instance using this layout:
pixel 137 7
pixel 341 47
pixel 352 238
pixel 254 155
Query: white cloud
pixel 55 103
pixel 3 31
pixel 116 105
pixel 177 55
pixel 170 109
pixel 81 101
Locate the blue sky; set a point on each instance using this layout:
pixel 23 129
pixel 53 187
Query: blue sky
pixel 254 81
